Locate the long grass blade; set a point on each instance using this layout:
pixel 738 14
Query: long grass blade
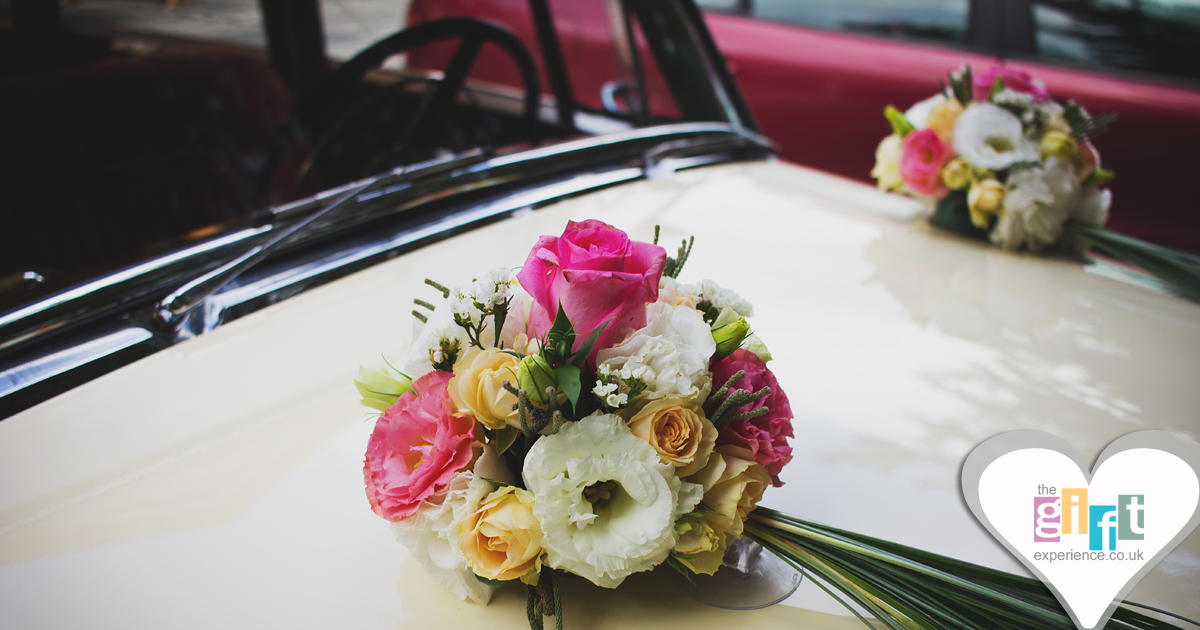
pixel 910 589
pixel 1178 270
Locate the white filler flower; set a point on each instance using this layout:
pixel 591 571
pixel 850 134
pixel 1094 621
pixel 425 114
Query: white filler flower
pixel 990 137
pixel 606 501
pixel 670 353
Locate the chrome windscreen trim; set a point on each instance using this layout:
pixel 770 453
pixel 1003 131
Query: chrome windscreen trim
pixel 29 373
pixel 111 282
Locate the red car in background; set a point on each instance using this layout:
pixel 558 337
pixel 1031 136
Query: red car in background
pixel 818 74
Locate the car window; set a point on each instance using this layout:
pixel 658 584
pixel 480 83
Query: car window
pixel 934 20
pixel 1155 36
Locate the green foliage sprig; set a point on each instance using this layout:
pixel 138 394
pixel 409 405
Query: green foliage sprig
pixel 720 406
pixel 674 266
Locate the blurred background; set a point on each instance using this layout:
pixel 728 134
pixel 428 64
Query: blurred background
pixel 173 117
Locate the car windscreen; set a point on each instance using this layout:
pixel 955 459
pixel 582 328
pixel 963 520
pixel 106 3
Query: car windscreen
pixel 138 129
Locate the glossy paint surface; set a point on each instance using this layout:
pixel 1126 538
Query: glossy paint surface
pixel 218 483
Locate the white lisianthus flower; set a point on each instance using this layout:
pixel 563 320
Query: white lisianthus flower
pixel 432 537
pixel 670 354
pixel 918 114
pixel 1038 203
pixel 1093 205
pixel 606 501
pixel 991 137
pixel 723 298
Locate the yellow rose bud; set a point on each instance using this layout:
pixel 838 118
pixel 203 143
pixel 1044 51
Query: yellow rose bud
pixel 535 375
pixel 733 486
pixel 1058 123
pixel 478 387
pixel 678 431
pixel 695 537
pixel 985 199
pixel 942 118
pixel 956 174
pixel 502 540
pixel 1058 144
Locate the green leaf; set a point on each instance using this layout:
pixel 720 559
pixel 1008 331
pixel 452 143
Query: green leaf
pixel 997 85
pixel 900 125
pixel 1099 176
pixel 560 338
pixel 491 583
pixel 504 439
pixel 580 358
pixel 568 382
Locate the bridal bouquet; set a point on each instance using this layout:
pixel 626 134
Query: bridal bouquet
pixel 1003 161
pixel 590 414
pixel 587 414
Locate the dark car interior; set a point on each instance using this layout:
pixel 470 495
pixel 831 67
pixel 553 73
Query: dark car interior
pixel 115 151
pixel 162 145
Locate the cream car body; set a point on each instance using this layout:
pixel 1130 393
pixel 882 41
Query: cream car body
pixel 218 483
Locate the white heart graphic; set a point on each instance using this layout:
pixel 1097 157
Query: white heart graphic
pixel 1138 503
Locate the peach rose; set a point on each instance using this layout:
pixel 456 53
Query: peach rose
pixel 502 539
pixel 678 431
pixel 733 486
pixel 477 387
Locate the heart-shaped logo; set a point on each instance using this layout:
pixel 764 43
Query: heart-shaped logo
pixel 1088 536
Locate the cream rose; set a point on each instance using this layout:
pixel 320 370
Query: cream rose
pixel 478 387
pixel 887 163
pixel 502 539
pixel 943 116
pixel 678 431
pixel 733 485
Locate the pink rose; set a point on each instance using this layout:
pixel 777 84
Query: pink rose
pixel 922 156
pixel 764 439
pixel 1014 80
pixel 596 272
pixel 419 444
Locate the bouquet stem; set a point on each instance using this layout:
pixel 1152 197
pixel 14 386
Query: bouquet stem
pixel 906 588
pixel 1179 271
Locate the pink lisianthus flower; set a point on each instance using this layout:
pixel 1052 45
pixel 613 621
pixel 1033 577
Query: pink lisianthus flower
pixel 922 156
pixel 764 439
pixel 1015 80
pixel 418 445
pixel 596 273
